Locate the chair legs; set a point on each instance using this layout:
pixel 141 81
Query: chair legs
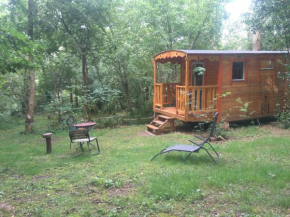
pixel 80 146
pixel 97 142
pixel 89 143
pixel 157 155
pixel 188 156
pixel 98 147
pixel 218 156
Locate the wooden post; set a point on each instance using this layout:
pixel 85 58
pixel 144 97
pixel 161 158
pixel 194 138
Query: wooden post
pixel 161 91
pixel 274 59
pixel 231 72
pixel 220 83
pixel 154 82
pixel 259 71
pixel 186 88
pixel 246 70
pixel 47 137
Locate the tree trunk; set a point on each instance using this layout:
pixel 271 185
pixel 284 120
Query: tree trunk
pixel 30 19
pixel 25 93
pixel 71 99
pixel 194 40
pixel 31 98
pixel 31 101
pixel 85 81
pixel 128 98
pixel 76 95
pixel 256 44
pixel 76 102
pixel 125 84
pixel 85 74
pixel 213 42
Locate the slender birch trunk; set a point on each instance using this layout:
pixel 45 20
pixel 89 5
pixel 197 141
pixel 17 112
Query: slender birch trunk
pixel 31 99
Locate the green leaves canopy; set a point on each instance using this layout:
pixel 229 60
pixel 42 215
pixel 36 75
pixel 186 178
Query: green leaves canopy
pixel 271 18
pixel 114 40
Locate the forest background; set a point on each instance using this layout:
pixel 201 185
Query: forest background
pixel 94 57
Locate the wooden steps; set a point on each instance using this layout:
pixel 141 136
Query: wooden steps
pixel 160 124
pixel 157 122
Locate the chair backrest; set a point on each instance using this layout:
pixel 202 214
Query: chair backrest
pixel 79 134
pixel 212 126
pixel 70 120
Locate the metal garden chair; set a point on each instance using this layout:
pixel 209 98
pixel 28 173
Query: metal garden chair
pixel 82 136
pixel 196 147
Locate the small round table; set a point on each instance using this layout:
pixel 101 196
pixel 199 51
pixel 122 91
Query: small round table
pixel 87 125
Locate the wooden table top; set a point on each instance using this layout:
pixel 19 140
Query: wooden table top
pixel 87 124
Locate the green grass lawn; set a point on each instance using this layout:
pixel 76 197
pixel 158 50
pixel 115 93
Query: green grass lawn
pixel 252 178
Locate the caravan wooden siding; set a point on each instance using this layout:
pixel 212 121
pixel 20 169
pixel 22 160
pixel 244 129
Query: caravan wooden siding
pixel 261 88
pixel 211 75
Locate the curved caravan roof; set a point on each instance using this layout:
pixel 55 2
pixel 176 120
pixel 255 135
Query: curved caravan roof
pixel 176 55
pixel 172 55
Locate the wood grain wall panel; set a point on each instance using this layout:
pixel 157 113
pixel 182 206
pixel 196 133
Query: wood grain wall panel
pixel 226 72
pixel 211 73
pixel 270 90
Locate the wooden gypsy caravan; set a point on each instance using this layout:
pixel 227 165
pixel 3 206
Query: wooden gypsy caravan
pixel 181 92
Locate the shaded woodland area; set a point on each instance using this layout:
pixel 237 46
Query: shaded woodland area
pixel 94 57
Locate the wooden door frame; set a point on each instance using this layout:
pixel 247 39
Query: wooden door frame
pixel 191 72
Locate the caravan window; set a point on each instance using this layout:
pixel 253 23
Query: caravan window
pixel 238 72
pixel 266 64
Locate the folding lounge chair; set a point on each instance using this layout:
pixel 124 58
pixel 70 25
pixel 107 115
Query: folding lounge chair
pixel 197 146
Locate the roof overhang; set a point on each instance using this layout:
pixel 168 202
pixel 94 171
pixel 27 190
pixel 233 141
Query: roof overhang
pixel 219 52
pixel 176 56
pixel 173 56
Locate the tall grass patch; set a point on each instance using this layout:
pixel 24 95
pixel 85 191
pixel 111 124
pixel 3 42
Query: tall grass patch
pixel 258 163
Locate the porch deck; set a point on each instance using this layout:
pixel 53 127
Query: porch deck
pixel 171 112
pixel 200 116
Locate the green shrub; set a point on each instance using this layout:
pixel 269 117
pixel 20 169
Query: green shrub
pixel 283 114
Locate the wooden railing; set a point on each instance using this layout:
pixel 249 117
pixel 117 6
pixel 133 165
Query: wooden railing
pixel 164 94
pixel 180 99
pixel 198 98
pixel 203 98
pixel 158 96
pixel 169 93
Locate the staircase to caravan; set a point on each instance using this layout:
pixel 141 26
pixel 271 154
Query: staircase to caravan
pixel 161 124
